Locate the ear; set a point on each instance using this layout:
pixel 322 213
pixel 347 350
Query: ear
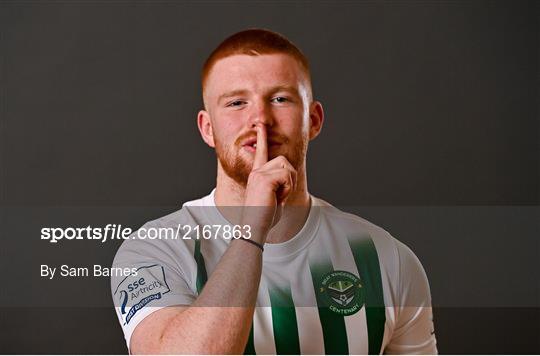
pixel 316 119
pixel 205 127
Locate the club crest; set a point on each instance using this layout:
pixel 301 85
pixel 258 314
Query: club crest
pixel 342 292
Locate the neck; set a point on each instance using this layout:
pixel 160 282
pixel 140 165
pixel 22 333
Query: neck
pixel 230 193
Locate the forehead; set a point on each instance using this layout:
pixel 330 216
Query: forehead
pixel 254 73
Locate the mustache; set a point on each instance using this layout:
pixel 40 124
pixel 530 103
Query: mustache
pixel 271 137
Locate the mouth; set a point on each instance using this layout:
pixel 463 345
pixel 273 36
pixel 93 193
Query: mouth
pixel 250 145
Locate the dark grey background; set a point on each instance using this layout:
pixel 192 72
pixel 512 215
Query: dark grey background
pixel 431 132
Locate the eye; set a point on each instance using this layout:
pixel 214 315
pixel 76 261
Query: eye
pixel 280 99
pixel 236 103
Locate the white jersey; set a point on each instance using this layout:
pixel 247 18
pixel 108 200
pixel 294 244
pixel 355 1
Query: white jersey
pixel 340 286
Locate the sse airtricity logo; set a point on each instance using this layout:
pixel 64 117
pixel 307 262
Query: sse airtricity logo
pixel 137 290
pixel 342 292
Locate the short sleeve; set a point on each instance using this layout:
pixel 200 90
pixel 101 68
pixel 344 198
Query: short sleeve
pixel 414 331
pixel 155 280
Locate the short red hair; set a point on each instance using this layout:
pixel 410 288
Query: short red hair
pixel 255 42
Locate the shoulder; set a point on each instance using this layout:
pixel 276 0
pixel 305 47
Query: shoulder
pixel 355 227
pixel 155 238
pixel 398 263
pixel 163 240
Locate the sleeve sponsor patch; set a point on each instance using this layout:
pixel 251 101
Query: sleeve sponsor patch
pixel 134 292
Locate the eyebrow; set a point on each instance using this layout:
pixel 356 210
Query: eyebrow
pixel 231 94
pixel 271 90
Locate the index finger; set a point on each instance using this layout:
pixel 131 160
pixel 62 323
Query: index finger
pixel 261 151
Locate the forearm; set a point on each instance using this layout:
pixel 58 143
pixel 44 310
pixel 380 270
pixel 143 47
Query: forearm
pixel 220 319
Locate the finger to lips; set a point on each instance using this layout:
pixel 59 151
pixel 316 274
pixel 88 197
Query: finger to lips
pixel 261 151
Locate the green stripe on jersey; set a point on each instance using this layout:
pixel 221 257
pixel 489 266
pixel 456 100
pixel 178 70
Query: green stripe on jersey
pixel 250 346
pixel 333 325
pixel 284 321
pixel 202 276
pixel 367 262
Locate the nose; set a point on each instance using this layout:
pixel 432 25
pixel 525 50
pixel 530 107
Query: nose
pixel 260 114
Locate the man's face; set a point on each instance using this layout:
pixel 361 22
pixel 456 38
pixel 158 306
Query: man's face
pixel 242 91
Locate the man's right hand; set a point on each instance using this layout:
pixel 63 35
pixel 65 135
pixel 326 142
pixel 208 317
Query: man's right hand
pixel 269 184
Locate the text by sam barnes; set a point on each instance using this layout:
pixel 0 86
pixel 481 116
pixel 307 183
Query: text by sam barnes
pixel 95 271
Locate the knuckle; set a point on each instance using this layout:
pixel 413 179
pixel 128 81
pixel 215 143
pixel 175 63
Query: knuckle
pixel 282 159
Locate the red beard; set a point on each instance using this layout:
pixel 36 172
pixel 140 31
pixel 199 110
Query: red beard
pixel 238 166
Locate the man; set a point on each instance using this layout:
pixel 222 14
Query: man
pixel 303 277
